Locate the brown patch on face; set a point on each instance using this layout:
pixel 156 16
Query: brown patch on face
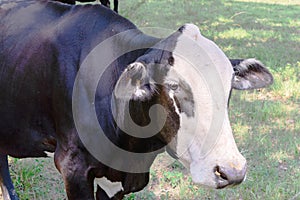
pixel 172 124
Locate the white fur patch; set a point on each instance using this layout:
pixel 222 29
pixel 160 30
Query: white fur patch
pixel 208 72
pixel 49 154
pixel 171 94
pixel 139 92
pixel 111 188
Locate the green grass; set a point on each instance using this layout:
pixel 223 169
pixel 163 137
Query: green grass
pixel 36 179
pixel 266 122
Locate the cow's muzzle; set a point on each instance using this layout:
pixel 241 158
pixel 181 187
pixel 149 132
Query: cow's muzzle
pixel 229 176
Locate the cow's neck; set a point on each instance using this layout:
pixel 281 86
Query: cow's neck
pixel 137 39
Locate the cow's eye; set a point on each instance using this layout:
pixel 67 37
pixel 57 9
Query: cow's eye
pixel 173 86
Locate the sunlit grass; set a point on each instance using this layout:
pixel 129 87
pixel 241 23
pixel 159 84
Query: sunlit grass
pixel 287 82
pixel 237 33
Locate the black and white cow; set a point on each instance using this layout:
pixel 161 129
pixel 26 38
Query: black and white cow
pixel 43 46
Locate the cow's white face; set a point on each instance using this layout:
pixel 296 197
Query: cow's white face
pixel 195 87
pixel 212 163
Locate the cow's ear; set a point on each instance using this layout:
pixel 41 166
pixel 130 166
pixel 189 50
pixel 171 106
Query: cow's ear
pixel 134 83
pixel 250 74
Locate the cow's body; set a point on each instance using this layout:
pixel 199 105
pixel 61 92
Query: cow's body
pixel 39 61
pixel 36 86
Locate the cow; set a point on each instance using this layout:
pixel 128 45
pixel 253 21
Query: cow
pixel 48 103
pixel 103 2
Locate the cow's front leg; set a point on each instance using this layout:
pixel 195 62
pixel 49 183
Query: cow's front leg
pixel 7 187
pixel 75 171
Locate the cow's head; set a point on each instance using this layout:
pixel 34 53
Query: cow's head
pixel 195 98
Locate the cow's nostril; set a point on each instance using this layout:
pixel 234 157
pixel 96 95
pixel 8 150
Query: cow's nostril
pixel 228 176
pixel 220 174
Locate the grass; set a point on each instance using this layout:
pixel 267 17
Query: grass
pixel 266 122
pixel 36 179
